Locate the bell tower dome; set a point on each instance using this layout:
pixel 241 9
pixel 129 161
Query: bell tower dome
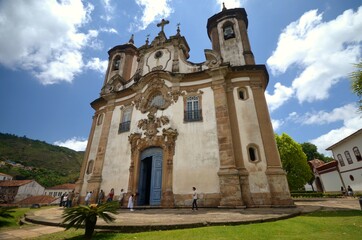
pixel 227 31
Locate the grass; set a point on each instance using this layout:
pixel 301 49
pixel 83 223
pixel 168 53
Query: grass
pixel 323 225
pixel 13 222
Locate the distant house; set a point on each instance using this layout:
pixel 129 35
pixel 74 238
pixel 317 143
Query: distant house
pixel 12 191
pixel 59 190
pixel 347 152
pixel 37 201
pixel 326 176
pixel 4 177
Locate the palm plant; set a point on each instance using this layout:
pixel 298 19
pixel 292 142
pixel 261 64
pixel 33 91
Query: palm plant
pixel 87 216
pixel 5 212
pixel 356 78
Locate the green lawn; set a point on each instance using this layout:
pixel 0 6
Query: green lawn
pixel 320 225
pixel 13 222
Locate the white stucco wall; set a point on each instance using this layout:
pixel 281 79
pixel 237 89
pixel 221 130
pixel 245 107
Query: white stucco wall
pixel 356 184
pixel 331 181
pixel 196 160
pixel 249 134
pixel 165 60
pixel 354 170
pixel 29 189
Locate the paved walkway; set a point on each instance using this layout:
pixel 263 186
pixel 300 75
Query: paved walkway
pixel 48 220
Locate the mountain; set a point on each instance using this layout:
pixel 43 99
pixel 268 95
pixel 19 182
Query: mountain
pixel 48 164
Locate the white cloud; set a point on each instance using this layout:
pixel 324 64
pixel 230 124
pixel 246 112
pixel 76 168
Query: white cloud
pixel 43 37
pixel 152 11
pixel 350 126
pixel 324 52
pixel 347 114
pixel 322 117
pixel 97 65
pixel 231 3
pixel 281 94
pixel 109 10
pixel 77 144
pixel 109 30
pixel 276 124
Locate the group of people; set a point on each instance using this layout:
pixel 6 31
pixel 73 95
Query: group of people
pixel 110 197
pixel 68 199
pixel 349 191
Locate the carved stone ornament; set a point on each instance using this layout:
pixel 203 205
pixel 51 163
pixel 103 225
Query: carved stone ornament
pixel 157 96
pixel 213 59
pixel 175 94
pixel 159 67
pixel 113 85
pixel 151 124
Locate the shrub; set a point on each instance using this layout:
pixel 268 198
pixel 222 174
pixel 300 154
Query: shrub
pixel 87 216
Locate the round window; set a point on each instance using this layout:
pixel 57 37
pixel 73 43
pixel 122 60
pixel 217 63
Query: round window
pixel 158 54
pixel 351 177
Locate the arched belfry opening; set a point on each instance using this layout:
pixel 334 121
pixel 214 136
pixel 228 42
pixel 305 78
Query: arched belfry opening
pixel 228 30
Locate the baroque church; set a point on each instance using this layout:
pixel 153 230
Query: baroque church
pixel 163 124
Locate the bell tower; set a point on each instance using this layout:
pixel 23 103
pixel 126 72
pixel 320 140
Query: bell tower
pixel 227 31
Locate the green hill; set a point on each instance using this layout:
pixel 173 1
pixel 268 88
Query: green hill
pixel 49 165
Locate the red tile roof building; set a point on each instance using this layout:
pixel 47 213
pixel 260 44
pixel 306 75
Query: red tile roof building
pixel 12 191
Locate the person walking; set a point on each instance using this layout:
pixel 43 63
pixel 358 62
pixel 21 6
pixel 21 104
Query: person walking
pixel 194 199
pixel 88 198
pixel 70 199
pixel 100 197
pixel 61 200
pixel 120 199
pixel 65 200
pixel 130 203
pixel 110 195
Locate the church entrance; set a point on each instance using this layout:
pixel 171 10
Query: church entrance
pixel 150 181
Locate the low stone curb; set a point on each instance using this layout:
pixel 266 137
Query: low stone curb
pixel 159 227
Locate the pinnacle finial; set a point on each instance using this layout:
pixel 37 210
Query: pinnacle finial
pixel 223 6
pixel 147 39
pixel 131 40
pixel 178 28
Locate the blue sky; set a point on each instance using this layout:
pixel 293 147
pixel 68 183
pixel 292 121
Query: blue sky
pixel 53 56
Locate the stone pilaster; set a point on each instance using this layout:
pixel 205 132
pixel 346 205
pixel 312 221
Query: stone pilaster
pixel 94 183
pixel 278 185
pixel 228 174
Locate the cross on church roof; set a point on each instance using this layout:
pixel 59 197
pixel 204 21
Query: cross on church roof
pixel 162 24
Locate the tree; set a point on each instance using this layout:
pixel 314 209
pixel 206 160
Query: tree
pixel 87 215
pixel 356 80
pixel 311 151
pixel 294 161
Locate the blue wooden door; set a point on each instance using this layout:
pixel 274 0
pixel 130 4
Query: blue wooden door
pixel 156 178
pixel 150 182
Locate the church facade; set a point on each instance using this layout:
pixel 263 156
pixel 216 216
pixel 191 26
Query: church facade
pixel 163 125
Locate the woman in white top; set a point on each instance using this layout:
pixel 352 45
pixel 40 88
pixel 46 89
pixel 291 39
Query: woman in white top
pixel 130 203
